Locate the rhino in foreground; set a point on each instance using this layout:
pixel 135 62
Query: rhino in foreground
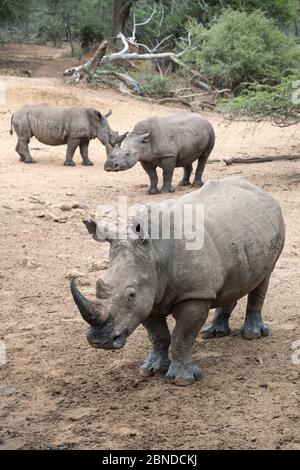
pixel 169 142
pixel 150 277
pixel 54 125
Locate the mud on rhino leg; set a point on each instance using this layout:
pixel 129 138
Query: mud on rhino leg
pixel 71 147
pixel 84 152
pixel 220 324
pixel 152 173
pixel 254 327
pixel 24 151
pixel 158 361
pixel 168 167
pixel 190 316
pixel 186 176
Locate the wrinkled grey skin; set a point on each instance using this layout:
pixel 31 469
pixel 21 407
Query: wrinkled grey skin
pixel 169 142
pixel 53 125
pixel 149 279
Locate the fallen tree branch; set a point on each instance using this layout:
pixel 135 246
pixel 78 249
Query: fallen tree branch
pixel 88 69
pixel 263 159
pixel 129 81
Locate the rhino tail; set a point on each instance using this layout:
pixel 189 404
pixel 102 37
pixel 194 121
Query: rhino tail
pixel 11 125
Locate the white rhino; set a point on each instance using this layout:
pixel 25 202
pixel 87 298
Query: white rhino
pixel 150 277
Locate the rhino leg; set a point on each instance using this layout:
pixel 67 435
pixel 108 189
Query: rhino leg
pixel 190 316
pixel 254 327
pixel 71 148
pixel 152 173
pixel 24 151
pixel 22 158
pixel 158 361
pixel 84 152
pixel 186 176
pixel 220 324
pixel 168 167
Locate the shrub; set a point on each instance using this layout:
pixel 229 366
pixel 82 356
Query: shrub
pixel 280 102
pixel 242 47
pixel 156 86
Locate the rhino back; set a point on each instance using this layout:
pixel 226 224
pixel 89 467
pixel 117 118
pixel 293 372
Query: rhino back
pixel 54 125
pixel 243 237
pixel 182 134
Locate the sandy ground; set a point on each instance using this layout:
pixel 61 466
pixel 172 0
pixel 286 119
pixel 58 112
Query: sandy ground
pixel 56 391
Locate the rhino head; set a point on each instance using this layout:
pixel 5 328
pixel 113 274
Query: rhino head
pixel 126 296
pixel 135 147
pixel 107 136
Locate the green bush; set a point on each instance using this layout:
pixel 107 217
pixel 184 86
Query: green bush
pixel 242 47
pixel 156 86
pixel 280 102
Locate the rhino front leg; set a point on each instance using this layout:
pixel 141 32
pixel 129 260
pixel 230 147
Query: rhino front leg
pixel 190 316
pixel 220 324
pixel 158 361
pixel 84 152
pixel 254 327
pixel 152 173
pixel 72 146
pixel 168 167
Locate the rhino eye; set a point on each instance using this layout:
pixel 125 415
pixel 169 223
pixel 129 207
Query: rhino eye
pixel 131 295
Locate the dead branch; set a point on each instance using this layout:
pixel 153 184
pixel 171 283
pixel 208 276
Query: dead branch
pixel 262 159
pixel 88 69
pixel 129 81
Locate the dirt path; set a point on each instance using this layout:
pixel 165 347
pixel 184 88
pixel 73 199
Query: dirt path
pixel 56 391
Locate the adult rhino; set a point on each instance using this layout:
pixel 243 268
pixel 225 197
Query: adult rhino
pixel 166 142
pixel 150 277
pixel 54 125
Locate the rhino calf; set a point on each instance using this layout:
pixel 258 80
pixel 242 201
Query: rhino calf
pixel 151 276
pixel 169 142
pixel 53 125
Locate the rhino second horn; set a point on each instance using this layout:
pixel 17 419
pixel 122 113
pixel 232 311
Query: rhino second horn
pixel 87 309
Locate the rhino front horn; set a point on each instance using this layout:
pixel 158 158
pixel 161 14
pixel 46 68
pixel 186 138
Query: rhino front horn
pixel 89 311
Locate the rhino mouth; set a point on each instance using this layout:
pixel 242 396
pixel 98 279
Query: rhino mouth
pixel 97 341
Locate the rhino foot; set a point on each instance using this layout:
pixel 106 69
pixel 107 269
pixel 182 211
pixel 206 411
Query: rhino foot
pixel 155 364
pixel 254 332
pixel 69 163
pixel 168 189
pixel 87 163
pixel 254 327
pixel 29 161
pixel 183 374
pixel 217 330
pixel 197 184
pixel 184 183
pixel 153 191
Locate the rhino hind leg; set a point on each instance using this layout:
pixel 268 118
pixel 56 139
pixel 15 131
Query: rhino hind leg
pixel 190 316
pixel 22 158
pixel 157 363
pixel 219 326
pixel 84 152
pixel 254 327
pixel 23 151
pixel 186 176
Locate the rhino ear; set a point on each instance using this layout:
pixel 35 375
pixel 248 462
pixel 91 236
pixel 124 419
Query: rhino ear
pixel 145 138
pixel 98 232
pixel 143 236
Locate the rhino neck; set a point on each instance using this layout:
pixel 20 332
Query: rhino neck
pixel 163 254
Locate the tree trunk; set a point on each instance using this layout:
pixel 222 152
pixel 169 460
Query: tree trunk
pixel 120 15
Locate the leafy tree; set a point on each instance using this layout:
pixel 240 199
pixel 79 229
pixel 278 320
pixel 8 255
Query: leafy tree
pixel 241 48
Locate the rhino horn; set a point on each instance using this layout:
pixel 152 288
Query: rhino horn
pixel 108 114
pixel 120 139
pixel 90 311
